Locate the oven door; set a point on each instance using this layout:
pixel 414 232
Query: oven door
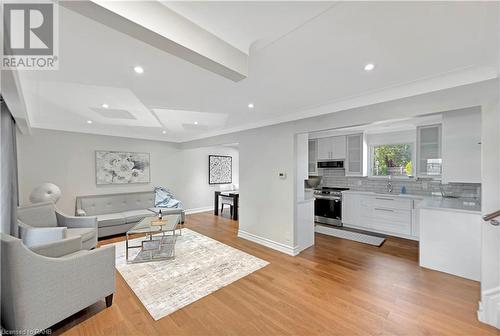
pixel 328 210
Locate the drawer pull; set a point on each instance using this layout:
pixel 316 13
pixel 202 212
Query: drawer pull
pixel 384 198
pixel 382 209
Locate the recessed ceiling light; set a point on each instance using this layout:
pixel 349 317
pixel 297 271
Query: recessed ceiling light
pixel 196 123
pixel 89 121
pixel 164 132
pixel 250 105
pixel 105 106
pixel 369 67
pixel 138 69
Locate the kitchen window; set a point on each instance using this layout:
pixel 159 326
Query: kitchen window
pixel 392 160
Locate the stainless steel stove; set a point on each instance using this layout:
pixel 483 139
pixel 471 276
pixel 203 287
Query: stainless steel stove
pixel 328 205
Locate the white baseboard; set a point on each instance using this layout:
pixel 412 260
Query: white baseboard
pixel 489 307
pixel 293 251
pixel 197 210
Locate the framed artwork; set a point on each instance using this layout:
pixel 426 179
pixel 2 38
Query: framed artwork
pixel 122 167
pixel 220 169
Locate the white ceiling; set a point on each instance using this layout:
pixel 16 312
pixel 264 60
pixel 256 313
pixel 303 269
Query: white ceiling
pixel 307 55
pixel 242 24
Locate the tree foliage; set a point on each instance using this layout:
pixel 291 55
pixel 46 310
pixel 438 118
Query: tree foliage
pixel 392 160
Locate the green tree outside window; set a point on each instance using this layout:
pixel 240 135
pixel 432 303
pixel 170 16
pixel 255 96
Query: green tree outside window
pixel 392 160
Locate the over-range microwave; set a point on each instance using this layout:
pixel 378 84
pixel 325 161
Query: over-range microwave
pixel 331 164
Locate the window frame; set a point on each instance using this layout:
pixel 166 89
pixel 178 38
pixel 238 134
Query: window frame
pixel 371 155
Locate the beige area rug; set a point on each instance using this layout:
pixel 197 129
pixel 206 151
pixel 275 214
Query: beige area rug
pixel 201 266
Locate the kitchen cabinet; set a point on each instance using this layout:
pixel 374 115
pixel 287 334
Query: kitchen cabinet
pixel 450 241
pixel 429 159
pixel 313 157
pixel 356 160
pixel 386 214
pixel 331 148
pixel 339 148
pixel 350 208
pixel 462 146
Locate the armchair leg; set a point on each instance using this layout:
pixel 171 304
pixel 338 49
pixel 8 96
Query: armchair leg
pixel 109 300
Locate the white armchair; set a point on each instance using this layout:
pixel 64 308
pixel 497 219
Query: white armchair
pixel 42 286
pixel 42 223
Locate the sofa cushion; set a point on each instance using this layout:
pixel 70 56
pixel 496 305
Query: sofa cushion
pixel 111 219
pixel 85 233
pixel 33 236
pixel 114 203
pixel 133 216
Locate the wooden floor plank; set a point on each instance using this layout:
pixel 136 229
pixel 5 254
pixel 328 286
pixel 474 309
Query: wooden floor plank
pixel 337 287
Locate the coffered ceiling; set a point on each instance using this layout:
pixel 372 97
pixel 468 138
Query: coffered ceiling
pixel 299 59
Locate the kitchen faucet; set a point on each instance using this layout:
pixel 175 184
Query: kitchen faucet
pixel 389 184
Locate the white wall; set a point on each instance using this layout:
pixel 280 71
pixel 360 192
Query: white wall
pixel 399 137
pixel 67 159
pixel 266 200
pixel 194 191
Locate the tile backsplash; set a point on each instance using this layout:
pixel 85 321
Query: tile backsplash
pixel 337 178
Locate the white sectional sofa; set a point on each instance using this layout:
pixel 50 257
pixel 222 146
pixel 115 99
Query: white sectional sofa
pixel 117 213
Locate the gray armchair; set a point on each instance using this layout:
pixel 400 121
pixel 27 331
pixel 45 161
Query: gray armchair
pixel 56 226
pixel 40 290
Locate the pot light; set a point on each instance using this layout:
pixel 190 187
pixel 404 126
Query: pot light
pixel 138 69
pixel 250 105
pixel 163 132
pixel 105 106
pixel 89 122
pixel 196 123
pixel 369 67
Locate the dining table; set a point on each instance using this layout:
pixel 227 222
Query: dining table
pixel 235 194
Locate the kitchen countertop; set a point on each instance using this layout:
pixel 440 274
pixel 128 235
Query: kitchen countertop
pixel 382 194
pixel 466 205
pixel 308 196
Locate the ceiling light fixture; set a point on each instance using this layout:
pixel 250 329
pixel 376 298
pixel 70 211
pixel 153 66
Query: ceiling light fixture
pixel 196 123
pixel 369 67
pixel 138 69
pixel 105 106
pixel 89 122
pixel 250 105
pixel 163 132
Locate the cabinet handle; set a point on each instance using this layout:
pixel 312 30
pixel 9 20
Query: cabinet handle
pixel 384 198
pixel 382 209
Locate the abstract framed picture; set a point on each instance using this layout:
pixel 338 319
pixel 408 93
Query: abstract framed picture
pixel 122 167
pixel 220 169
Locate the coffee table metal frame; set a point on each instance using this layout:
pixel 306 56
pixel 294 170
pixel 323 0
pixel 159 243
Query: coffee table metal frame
pixel 155 244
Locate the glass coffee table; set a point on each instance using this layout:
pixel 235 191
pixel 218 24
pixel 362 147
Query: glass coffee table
pixel 159 242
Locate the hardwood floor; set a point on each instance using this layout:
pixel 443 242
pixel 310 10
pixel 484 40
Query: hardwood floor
pixel 337 287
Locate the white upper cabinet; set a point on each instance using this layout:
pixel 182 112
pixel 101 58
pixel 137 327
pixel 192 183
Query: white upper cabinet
pixel 331 148
pixel 324 149
pixel 313 157
pixel 462 146
pixel 429 159
pixel 356 161
pixel 339 148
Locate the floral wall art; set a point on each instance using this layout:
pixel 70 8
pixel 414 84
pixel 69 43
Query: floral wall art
pixel 220 169
pixel 122 167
